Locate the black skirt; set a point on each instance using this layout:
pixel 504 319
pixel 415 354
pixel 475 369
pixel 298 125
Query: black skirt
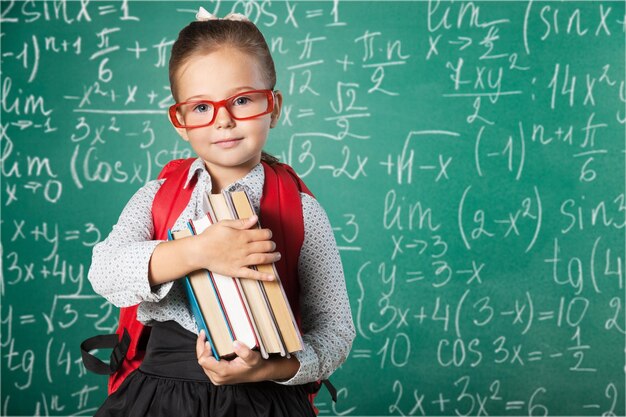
pixel 171 383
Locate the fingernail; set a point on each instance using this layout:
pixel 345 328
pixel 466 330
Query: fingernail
pixel 237 344
pixel 278 256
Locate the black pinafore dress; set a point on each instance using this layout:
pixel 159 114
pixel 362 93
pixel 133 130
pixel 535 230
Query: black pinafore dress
pixel 171 383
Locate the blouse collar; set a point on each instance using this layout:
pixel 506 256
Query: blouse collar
pixel 252 183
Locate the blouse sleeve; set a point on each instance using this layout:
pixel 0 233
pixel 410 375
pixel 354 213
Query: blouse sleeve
pixel 327 327
pixel 119 264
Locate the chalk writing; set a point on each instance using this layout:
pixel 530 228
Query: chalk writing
pixel 470 157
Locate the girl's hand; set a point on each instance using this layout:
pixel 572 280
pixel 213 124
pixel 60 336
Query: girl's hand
pixel 229 247
pixel 248 366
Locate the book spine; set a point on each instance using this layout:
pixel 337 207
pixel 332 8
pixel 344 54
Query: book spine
pixel 214 286
pixel 251 320
pixel 195 309
pixel 274 322
pixel 218 295
pixel 286 320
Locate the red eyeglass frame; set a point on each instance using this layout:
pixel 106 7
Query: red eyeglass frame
pixel 219 104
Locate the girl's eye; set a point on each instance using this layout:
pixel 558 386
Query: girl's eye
pixel 202 107
pixel 240 101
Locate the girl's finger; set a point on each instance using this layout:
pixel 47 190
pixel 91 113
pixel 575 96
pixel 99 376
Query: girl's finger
pixel 207 360
pixel 254 235
pixel 241 224
pixel 262 258
pixel 249 273
pixel 200 344
pixel 243 352
pixel 263 246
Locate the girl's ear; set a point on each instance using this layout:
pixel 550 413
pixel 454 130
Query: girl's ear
pixel 183 133
pixel 278 104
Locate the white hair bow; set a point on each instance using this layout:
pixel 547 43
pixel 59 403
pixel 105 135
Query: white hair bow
pixel 203 15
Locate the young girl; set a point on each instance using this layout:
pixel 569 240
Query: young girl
pixel 217 68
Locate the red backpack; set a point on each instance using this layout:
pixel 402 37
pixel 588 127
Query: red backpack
pixel 280 206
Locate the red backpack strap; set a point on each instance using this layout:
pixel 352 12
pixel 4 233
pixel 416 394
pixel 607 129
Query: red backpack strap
pixel 283 170
pixel 169 202
pixel 172 198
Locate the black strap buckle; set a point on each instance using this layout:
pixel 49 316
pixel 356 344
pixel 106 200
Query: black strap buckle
pixel 119 351
pixel 314 387
pixel 331 389
pixel 107 341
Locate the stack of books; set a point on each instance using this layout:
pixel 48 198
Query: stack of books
pixel 256 313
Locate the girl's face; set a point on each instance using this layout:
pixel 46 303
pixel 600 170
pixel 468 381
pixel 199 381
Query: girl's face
pixel 227 144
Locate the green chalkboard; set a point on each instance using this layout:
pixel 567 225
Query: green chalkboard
pixel 470 155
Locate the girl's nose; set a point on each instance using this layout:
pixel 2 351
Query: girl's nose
pixel 223 119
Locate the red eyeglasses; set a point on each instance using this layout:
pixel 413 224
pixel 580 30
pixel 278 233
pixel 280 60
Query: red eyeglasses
pixel 241 106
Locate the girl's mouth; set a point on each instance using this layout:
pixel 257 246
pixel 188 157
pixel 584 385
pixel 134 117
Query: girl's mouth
pixel 227 143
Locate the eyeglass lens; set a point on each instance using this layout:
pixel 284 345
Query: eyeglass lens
pixel 240 107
